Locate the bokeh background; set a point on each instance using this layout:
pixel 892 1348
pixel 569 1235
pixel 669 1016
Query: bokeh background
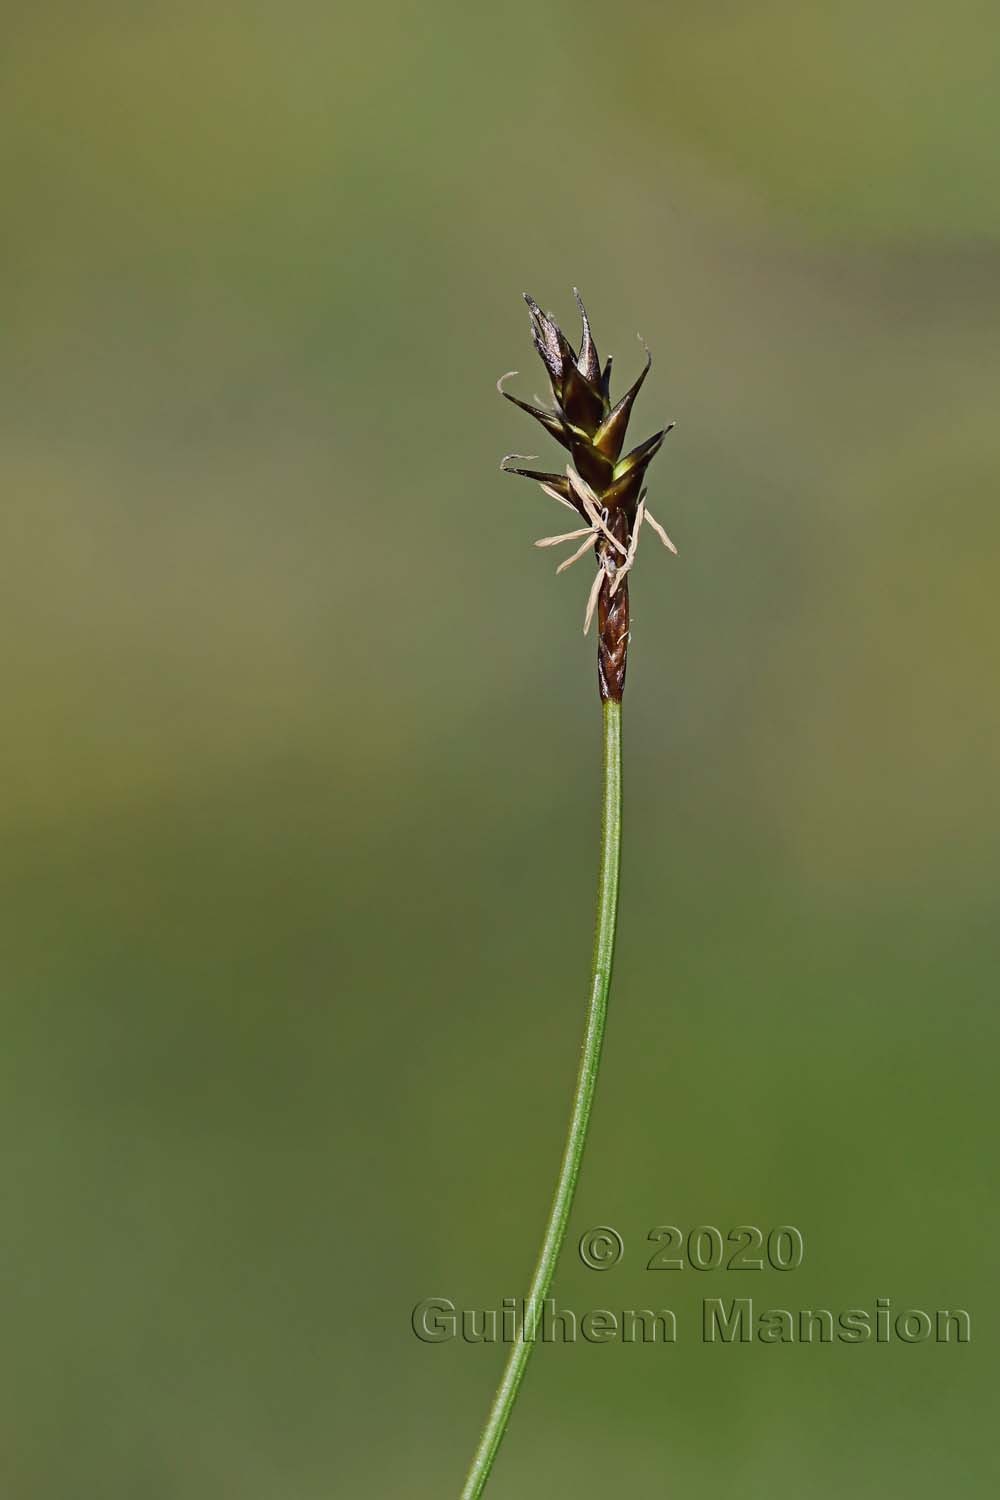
pixel 301 747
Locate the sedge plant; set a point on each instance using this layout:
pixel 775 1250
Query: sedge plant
pixel 607 496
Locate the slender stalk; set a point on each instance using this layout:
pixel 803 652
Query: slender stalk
pixel 583 1098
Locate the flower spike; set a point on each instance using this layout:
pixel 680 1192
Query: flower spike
pixel 604 489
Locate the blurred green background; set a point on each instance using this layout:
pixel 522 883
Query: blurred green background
pixel 301 748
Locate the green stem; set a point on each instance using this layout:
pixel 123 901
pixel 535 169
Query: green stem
pixel 583 1098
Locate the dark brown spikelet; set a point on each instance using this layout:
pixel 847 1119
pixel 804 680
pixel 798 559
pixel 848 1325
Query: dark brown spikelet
pixel 605 488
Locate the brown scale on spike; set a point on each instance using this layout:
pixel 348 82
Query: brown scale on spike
pixel 612 621
pixel 605 489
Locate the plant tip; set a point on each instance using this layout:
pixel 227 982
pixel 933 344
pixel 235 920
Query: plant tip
pixel 601 484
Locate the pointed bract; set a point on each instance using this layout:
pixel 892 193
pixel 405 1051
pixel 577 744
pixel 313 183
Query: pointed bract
pixel 582 402
pixel 555 481
pixel 558 354
pixel 629 472
pixel 591 463
pixel 588 364
pixel 610 436
pixel 550 420
pixel 548 340
pixel 556 485
pixel 643 453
